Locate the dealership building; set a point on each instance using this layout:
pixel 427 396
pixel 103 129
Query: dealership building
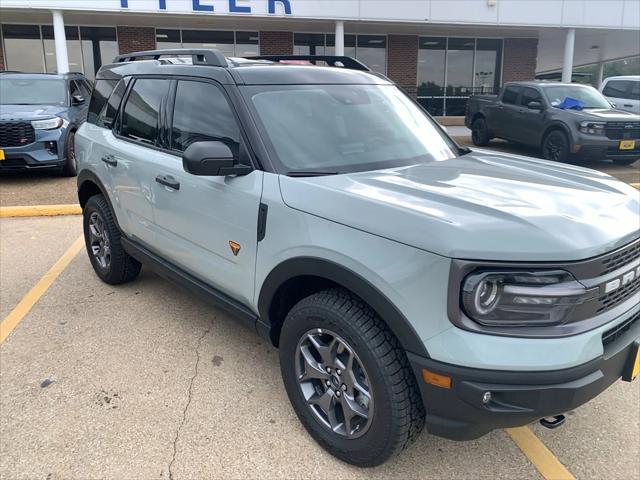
pixel 441 51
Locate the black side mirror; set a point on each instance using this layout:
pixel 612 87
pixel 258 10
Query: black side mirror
pixel 535 106
pixel 211 159
pixel 77 100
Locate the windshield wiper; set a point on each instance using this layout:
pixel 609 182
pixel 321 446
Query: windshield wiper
pixel 313 173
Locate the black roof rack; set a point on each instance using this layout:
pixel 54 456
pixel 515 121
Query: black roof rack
pixel 331 60
pixel 209 57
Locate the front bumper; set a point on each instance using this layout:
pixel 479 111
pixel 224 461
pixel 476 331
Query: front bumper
pixel 599 147
pixel 517 397
pixel 37 155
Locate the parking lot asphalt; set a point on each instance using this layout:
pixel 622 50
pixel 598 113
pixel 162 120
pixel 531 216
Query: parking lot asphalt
pixel 146 381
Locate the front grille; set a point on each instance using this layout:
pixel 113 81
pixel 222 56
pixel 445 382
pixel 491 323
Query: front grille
pixel 616 332
pixel 621 257
pixel 618 296
pixel 623 130
pixel 16 134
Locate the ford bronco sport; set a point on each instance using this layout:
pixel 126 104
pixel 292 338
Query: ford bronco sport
pixel 406 280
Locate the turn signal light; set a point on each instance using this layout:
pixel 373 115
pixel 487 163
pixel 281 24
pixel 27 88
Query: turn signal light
pixel 436 379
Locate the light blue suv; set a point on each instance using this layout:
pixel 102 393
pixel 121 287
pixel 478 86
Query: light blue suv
pixel 407 281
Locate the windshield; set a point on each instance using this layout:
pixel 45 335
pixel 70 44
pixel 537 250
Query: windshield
pixel 589 96
pixel 346 128
pixel 23 91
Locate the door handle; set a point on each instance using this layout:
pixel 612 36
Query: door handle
pixel 628 105
pixel 110 160
pixel 168 181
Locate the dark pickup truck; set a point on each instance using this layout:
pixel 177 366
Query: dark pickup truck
pixel 568 122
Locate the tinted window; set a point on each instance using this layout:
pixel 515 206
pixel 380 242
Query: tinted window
pixel 140 114
pixel 19 90
pixel 530 95
pixel 109 113
pixel 616 88
pixel 79 89
pixel 510 94
pixel 202 113
pixel 101 92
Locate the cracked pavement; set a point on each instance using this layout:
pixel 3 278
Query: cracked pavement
pixel 145 381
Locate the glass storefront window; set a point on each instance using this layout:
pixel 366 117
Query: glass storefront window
pixel 349 45
pixel 372 51
pixel 308 43
pixel 99 47
pixel 168 39
pixel 74 49
pixel 247 44
pixel 221 40
pixel 23 48
pixel 369 49
pixel 450 70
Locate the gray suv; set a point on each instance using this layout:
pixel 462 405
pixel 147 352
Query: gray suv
pixel 39 115
pixel 406 281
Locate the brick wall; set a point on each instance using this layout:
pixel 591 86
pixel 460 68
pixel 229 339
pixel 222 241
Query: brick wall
pixel 276 43
pixel 136 39
pixel 402 61
pixel 519 59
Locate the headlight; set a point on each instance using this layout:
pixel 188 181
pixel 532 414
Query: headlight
pixel 522 298
pixel 593 128
pixel 48 124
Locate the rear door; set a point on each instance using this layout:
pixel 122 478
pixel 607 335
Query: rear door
pixel 198 218
pixel 132 156
pixel 625 94
pixel 504 114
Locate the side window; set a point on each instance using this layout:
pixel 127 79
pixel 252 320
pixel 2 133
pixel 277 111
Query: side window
pixel 635 90
pixel 74 88
pixel 616 88
pixel 85 91
pixel 530 95
pixel 101 92
pixel 107 115
pixel 140 116
pixel 202 113
pixel 510 95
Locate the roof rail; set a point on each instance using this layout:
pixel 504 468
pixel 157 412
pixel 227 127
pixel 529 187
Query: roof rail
pixel 331 60
pixel 209 56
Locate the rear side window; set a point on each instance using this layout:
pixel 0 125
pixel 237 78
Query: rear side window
pixel 202 113
pixel 140 116
pixel 617 88
pixel 530 95
pixel 101 93
pixel 108 114
pixel 510 95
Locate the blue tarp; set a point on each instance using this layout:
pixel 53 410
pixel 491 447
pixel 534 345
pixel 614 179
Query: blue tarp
pixel 570 103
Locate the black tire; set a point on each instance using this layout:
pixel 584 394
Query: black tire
pixel 120 267
pixel 555 147
pixel 70 168
pixel 625 162
pixel 480 132
pixel 397 415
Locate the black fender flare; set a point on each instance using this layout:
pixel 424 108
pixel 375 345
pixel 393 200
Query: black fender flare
pixel 87 176
pixel 557 125
pixel 326 269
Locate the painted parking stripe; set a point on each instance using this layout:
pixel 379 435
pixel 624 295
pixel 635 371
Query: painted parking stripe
pixel 40 211
pixel 539 455
pixel 11 321
pixel 637 185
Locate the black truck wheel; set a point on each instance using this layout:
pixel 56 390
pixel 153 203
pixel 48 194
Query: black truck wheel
pixel 480 132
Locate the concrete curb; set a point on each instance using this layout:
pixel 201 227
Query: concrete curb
pixel 40 211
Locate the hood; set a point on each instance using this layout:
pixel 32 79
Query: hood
pixel 604 114
pixel 481 206
pixel 31 112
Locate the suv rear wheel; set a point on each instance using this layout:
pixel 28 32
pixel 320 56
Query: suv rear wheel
pixel 348 379
pixel 102 239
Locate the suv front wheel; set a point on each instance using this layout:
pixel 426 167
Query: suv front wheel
pixel 102 238
pixel 348 379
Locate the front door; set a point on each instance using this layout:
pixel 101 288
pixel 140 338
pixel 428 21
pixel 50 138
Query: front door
pixel 504 112
pixel 207 225
pixel 530 122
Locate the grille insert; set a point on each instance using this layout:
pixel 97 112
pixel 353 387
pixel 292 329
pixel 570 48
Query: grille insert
pixel 616 297
pixel 623 130
pixel 621 257
pixel 16 134
pixel 616 332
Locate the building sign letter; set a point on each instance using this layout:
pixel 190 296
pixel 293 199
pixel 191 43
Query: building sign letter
pixel 285 3
pixel 201 8
pixel 233 8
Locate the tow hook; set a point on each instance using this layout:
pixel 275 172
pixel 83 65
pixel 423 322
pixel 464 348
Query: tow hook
pixel 553 422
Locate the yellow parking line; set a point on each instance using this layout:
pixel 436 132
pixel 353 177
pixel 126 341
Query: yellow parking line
pixel 40 210
pixel 637 185
pixel 12 320
pixel 539 455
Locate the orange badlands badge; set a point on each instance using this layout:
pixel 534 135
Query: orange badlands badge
pixel 235 247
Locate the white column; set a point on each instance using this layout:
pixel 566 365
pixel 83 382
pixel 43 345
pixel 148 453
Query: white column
pixel 339 50
pixel 567 65
pixel 60 40
pixel 600 74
